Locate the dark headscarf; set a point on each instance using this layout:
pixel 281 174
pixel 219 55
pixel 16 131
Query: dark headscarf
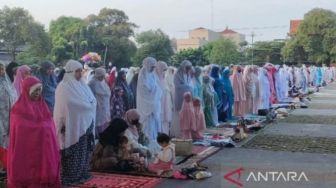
pixel 49 84
pixel 128 96
pixel 111 134
pixel 10 70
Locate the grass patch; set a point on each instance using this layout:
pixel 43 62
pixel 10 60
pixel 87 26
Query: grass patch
pixel 292 143
pixel 309 119
pixel 322 106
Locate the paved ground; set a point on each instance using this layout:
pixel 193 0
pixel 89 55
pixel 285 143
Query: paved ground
pixel 310 124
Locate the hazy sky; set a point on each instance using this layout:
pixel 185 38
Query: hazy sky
pixel 268 19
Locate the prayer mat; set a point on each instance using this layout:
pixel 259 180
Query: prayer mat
pixel 104 180
pixel 197 158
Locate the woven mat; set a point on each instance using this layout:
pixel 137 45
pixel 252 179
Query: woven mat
pixel 105 180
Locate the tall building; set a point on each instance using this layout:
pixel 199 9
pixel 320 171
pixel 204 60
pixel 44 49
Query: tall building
pixel 201 36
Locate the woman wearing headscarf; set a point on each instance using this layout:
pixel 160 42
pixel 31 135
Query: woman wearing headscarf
pixel 49 83
pixel 198 83
pixel 170 83
pixel 281 83
pixel 74 115
pixel 60 75
pixel 209 102
pixel 135 134
pixel 102 92
pixel 166 100
pixel 21 73
pixel 149 95
pixel 130 74
pixel 229 92
pixel 33 153
pixel 256 90
pixel 117 103
pixel 128 96
pixel 239 91
pixel 106 155
pixel 218 85
pixel 182 84
pixel 112 77
pixel 270 75
pixel 133 85
pixel 11 69
pixel 249 88
pixel 265 90
pixel 7 100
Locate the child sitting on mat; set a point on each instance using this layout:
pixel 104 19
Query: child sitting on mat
pixel 164 160
pixel 129 158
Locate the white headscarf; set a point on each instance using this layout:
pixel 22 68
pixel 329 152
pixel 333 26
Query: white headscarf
pixel 75 107
pixel 148 90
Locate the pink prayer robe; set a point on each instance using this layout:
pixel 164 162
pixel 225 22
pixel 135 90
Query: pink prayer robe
pixel 200 123
pixel 33 152
pixel 239 93
pixel 187 119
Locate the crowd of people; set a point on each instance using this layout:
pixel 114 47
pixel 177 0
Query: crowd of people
pixel 59 124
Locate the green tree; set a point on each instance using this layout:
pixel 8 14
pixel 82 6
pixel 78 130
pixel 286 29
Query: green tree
pixel 222 52
pixel 293 52
pixel 15 27
pixel 196 56
pixel 39 46
pixel 315 39
pixel 153 43
pixel 65 36
pixel 266 51
pixel 108 33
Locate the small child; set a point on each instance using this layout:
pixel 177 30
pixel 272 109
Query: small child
pixel 129 160
pixel 199 119
pixel 117 103
pixel 187 116
pixel 164 161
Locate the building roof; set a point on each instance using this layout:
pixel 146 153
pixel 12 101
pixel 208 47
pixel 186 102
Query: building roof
pixel 228 31
pixel 294 26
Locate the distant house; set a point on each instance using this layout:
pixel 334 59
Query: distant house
pixel 294 27
pixel 6 57
pixel 233 35
pixel 197 38
pixel 201 36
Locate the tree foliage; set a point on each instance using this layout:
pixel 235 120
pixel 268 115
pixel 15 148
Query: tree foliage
pixel 196 56
pixel 15 27
pixel 223 52
pixel 155 44
pixel 315 40
pixel 269 51
pixel 65 36
pixel 109 32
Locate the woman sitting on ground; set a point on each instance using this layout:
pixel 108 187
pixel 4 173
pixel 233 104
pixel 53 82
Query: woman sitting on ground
pixel 110 153
pixel 135 134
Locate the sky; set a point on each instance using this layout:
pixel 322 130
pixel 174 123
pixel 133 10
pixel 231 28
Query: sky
pixel 267 19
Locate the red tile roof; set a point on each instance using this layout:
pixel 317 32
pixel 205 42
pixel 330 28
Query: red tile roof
pixel 228 31
pixel 294 26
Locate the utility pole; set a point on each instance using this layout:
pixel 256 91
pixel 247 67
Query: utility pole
pixel 212 15
pixel 252 35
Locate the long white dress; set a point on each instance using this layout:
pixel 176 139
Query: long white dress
pixel 148 99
